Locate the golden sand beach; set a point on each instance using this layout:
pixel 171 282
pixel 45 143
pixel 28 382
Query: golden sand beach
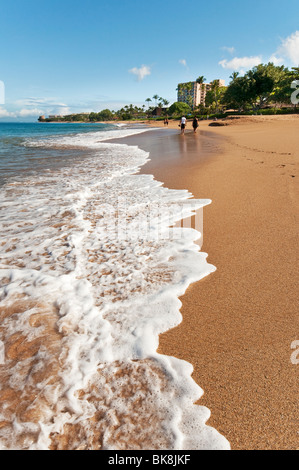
pixel 239 323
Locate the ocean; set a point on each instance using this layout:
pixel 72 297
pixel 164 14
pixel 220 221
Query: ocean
pixel 92 266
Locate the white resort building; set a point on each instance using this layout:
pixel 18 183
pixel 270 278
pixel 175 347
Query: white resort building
pixel 194 93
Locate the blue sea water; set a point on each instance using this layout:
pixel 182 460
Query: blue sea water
pixel 91 270
pixel 17 159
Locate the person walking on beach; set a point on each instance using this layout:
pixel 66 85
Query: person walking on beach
pixel 183 124
pixel 195 123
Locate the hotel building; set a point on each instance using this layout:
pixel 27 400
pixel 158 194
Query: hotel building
pixel 193 93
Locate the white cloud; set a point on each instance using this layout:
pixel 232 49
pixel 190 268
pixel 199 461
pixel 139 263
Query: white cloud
pixel 43 105
pixel 141 72
pixel 29 112
pixel 230 50
pixel 33 107
pixel 238 63
pixel 276 60
pixel 4 113
pixel 32 101
pixel 289 48
pixel 183 62
pixel 287 53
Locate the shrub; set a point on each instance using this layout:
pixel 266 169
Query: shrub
pixel 179 109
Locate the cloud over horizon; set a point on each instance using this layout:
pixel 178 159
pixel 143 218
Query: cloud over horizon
pixel 33 107
pixel 21 113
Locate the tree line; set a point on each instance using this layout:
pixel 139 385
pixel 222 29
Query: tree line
pixel 126 113
pixel 264 86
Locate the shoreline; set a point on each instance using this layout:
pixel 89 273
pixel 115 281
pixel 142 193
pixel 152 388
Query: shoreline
pixel 239 322
pixel 99 314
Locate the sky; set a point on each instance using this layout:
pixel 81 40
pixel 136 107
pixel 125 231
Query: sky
pixel 68 56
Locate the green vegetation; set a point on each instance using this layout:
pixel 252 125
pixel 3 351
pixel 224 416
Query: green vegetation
pixel 215 96
pixel 105 115
pixel 178 109
pixel 201 79
pixel 265 86
pixel 185 91
pixel 127 113
pixel 265 89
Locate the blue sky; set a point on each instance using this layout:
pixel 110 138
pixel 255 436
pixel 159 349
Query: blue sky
pixel 71 56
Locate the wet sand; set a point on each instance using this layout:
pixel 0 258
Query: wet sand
pixel 239 323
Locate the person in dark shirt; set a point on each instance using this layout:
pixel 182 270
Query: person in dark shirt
pixel 195 123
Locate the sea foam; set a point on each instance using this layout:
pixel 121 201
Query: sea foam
pixel 83 301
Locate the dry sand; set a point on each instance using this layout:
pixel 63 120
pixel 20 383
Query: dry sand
pixel 239 323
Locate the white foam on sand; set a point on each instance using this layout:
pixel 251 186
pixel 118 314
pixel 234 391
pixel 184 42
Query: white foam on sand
pixel 99 296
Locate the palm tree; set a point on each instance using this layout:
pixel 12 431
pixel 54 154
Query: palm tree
pixel 156 97
pixel 189 98
pixel 162 102
pixel 148 100
pixel 217 92
pixel 201 79
pixel 234 76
